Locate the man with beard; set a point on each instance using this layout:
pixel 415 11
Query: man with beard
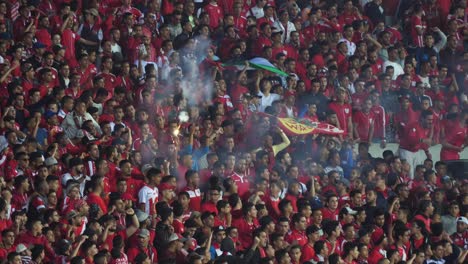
pixel 76 173
pixel 133 184
pixel 143 246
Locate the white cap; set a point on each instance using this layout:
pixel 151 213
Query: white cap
pixel 462 219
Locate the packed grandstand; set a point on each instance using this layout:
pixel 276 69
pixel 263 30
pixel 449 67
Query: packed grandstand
pixel 233 131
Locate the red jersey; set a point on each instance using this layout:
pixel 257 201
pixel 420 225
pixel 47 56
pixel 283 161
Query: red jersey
pixel 460 239
pixel 150 251
pixel 296 236
pixel 261 42
pixel 417 22
pixel 240 23
pixel 411 136
pixel 195 198
pixel 455 134
pixel 209 207
pixel 376 255
pixel 330 247
pixel 68 40
pixel 110 82
pixel 133 186
pixel 343 112
pixel 380 121
pixel 347 18
pixel 215 13
pixel 243 184
pixel 308 252
pixel 96 199
pixel 43 36
pixel 245 231
pixel 363 122
pixel 327 213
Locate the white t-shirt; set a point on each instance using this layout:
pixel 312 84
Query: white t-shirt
pixel 67 176
pixel 398 70
pixel 148 196
pixel 266 101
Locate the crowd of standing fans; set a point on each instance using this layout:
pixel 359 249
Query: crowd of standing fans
pixel 141 131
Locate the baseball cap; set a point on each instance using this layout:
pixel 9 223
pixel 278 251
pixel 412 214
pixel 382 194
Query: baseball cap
pixel 142 216
pixel 72 214
pixel 462 219
pixel 446 179
pixel 144 233
pixel 48 114
pixel 92 11
pixel 50 161
pixel 268 6
pixel 218 229
pixel 175 237
pixel 348 211
pixel 276 31
pixel 57 48
pixel 21 248
pixel 145 168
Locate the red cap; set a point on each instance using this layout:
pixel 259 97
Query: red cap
pixel 166 186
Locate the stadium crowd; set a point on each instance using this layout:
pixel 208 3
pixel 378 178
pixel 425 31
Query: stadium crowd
pixel 142 132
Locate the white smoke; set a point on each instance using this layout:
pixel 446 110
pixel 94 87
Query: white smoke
pixel 197 89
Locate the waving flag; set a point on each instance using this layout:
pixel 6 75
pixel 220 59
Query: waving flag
pixel 257 63
pixel 297 127
pixel 264 64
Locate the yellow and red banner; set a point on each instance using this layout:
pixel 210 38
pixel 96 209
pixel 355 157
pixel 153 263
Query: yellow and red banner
pixel 297 127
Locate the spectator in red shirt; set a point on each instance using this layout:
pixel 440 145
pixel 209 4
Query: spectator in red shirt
pixel 143 246
pixel 313 235
pixel 95 189
pixel 415 140
pixel 240 178
pixel 247 224
pixel 350 253
pixel 332 230
pixel 454 136
pixel 363 122
pixel 215 12
pixel 380 242
pixel 331 210
pixel 193 181
pixel 33 235
pixel 343 112
pixel 209 205
pixel 298 235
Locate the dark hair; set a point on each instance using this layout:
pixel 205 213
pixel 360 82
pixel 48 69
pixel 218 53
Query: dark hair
pixel 347 247
pixel 279 254
pixel 319 246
